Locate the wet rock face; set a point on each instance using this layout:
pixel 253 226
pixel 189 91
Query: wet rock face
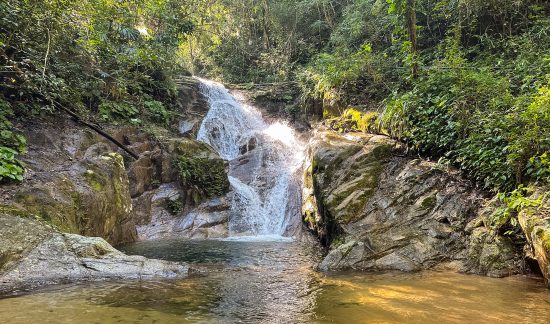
pixel 379 211
pixel 192 104
pixel 34 254
pixel 535 222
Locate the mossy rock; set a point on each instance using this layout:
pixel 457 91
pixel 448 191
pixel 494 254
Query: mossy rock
pixel 535 222
pixel 355 175
pixel 342 175
pixel 92 198
pixel 198 168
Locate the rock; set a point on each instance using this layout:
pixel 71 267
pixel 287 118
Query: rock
pixel 161 210
pixel 187 126
pixel 141 175
pixel 46 256
pixel 377 210
pixel 76 182
pixel 535 222
pixel 490 254
pixel 89 196
pixel 208 220
pixel 193 106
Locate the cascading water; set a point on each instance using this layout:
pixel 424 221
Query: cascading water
pixel 265 162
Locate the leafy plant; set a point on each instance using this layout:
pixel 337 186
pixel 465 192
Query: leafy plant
pixel 116 110
pixel 514 202
pixel 204 176
pixel 11 145
pixel 156 111
pixel 11 169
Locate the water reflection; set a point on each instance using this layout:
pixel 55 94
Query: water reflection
pixel 274 282
pixel 250 280
pixel 433 297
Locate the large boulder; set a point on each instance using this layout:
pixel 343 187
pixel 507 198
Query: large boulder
pixel 35 254
pixel 84 193
pixel 378 210
pixel 190 178
pixel 82 184
pixel 535 222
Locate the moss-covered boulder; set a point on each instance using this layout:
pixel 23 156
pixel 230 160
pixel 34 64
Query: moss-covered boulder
pixel 90 197
pixel 341 174
pixel 201 172
pixel 535 222
pixel 190 174
pixel 377 209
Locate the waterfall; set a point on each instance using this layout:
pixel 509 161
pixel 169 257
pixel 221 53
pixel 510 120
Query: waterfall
pixel 264 164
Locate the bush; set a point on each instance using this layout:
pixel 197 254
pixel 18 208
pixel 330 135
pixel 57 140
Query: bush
pixel 156 111
pixel 117 110
pixel 11 145
pixel 204 176
pixel 499 140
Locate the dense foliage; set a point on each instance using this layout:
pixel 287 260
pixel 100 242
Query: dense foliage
pixel 203 176
pixel 466 84
pixel 463 81
pixel 107 60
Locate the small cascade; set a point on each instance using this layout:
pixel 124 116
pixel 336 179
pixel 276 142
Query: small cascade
pixel 265 164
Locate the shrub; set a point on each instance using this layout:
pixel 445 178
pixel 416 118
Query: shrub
pixel 11 145
pixel 156 111
pixel 204 176
pixel 117 110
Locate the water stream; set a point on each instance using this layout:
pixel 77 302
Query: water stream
pixel 265 163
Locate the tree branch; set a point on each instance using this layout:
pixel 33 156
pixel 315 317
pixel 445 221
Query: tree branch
pixel 97 129
pixel 46 56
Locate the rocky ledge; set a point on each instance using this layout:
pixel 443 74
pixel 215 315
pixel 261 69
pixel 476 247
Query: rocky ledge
pixel 33 254
pixel 535 222
pixel 376 209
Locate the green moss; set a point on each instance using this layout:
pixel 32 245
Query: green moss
pixel 14 210
pixel 94 180
pixel 544 237
pixel 366 185
pixel 382 152
pixel 334 165
pixel 352 120
pixel 175 206
pixel 429 202
pixel 336 242
pixel 206 177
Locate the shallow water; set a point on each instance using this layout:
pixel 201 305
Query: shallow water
pixel 263 281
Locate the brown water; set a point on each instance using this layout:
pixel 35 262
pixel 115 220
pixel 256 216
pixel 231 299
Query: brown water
pixel 274 282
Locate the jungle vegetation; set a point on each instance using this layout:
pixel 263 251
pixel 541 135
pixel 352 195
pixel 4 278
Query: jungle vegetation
pixel 465 82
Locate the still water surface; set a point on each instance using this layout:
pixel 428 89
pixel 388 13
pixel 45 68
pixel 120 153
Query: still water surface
pixel 275 282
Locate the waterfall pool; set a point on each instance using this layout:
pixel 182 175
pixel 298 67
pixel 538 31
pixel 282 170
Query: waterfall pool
pixel 274 281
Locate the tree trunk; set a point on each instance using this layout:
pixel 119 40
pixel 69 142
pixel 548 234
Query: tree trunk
pixel 410 16
pixel 265 24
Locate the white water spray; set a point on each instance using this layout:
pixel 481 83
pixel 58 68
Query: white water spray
pixel 265 160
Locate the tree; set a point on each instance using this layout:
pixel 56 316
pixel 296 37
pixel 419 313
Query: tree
pixel 410 18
